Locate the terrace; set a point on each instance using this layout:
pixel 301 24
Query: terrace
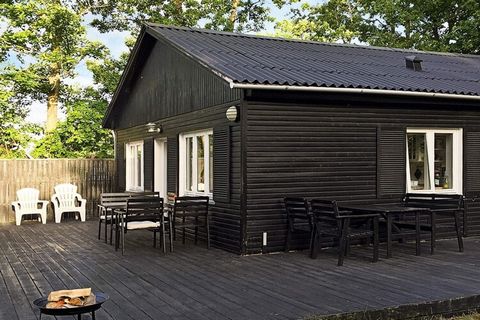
pixel 196 283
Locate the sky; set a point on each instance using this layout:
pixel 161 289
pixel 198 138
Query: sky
pixel 115 41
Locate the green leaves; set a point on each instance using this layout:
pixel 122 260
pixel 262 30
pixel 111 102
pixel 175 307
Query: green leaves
pixel 433 25
pixel 239 15
pixel 81 134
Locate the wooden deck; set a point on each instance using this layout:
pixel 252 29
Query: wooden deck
pixel 196 283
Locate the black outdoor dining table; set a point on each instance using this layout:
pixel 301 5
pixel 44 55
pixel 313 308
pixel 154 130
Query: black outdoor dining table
pixel 389 212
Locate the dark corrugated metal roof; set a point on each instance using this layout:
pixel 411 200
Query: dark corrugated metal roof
pixel 259 60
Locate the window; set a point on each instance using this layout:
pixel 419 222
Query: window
pixel 434 160
pixel 134 166
pixel 196 163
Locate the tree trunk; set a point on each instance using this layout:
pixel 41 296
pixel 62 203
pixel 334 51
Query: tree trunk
pixel 53 97
pixel 233 15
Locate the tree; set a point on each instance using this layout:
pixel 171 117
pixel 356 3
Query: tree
pixel 332 21
pixel 15 133
pixel 47 40
pixel 239 15
pixel 435 25
pixel 81 134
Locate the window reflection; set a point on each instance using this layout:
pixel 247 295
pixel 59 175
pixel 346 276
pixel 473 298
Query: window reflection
pixel 200 164
pixel 189 171
pixel 418 158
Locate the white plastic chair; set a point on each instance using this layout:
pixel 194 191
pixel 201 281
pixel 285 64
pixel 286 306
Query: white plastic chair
pixel 28 203
pixel 66 199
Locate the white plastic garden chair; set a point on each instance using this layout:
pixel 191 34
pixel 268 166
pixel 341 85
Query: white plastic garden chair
pixel 66 199
pixel 28 203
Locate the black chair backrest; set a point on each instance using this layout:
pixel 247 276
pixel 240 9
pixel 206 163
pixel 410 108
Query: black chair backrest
pixel 434 201
pixel 325 211
pixel 144 209
pixel 119 198
pixel 191 206
pixel 109 199
pixel 297 208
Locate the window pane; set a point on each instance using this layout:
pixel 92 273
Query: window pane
pixel 189 160
pixel 200 164
pixel 210 161
pixel 418 159
pixel 443 161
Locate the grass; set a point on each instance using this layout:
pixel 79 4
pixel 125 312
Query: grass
pixel 474 316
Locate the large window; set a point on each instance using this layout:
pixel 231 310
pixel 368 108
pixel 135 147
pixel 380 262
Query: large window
pixel 434 160
pixel 196 163
pixel 134 166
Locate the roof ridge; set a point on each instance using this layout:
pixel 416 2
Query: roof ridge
pixel 332 44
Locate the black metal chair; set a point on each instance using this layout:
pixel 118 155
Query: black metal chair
pixel 191 213
pixel 145 213
pixel 112 201
pixel 299 219
pixel 343 226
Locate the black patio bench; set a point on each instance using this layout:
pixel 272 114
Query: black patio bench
pixel 445 212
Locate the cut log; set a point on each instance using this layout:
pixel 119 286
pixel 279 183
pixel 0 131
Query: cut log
pixel 74 293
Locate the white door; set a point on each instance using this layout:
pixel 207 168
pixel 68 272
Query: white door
pixel 160 167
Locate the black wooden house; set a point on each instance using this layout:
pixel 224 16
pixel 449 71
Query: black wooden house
pixel 352 123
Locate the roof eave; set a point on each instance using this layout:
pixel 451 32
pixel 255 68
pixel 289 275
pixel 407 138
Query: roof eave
pixel 235 85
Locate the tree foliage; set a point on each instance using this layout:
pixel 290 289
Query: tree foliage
pixel 435 25
pixel 46 40
pixel 238 15
pixel 81 134
pixel 15 133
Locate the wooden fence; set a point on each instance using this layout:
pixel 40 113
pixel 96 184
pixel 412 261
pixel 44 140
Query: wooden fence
pixel 92 176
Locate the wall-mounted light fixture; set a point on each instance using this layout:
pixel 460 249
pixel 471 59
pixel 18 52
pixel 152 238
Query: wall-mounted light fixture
pixel 232 113
pixel 152 127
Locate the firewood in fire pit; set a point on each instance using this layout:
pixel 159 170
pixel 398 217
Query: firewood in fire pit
pixel 75 293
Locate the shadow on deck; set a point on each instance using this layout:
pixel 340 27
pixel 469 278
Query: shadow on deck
pixel 196 283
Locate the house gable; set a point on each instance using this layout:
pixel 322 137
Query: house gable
pixel 165 82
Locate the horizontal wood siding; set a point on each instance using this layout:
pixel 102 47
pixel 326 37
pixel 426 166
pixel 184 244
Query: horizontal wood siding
pixel 91 176
pixel 325 151
pixel 225 221
pixel 168 84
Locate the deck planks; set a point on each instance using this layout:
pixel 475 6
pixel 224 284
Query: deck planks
pixel 195 283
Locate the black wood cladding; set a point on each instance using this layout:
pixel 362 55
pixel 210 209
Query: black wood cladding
pixel 225 215
pixel 168 84
pixel 172 164
pixel 148 164
pixel 391 162
pixel 221 164
pixel 331 151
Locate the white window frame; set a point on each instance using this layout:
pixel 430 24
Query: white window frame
pixel 183 163
pixel 457 159
pixel 130 172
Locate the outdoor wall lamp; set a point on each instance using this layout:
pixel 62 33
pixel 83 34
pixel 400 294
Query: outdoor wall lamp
pixel 152 127
pixel 232 113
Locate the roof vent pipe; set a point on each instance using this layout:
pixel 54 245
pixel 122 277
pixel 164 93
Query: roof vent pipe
pixel 414 63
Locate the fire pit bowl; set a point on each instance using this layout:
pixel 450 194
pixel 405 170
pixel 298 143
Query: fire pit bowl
pixel 100 298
